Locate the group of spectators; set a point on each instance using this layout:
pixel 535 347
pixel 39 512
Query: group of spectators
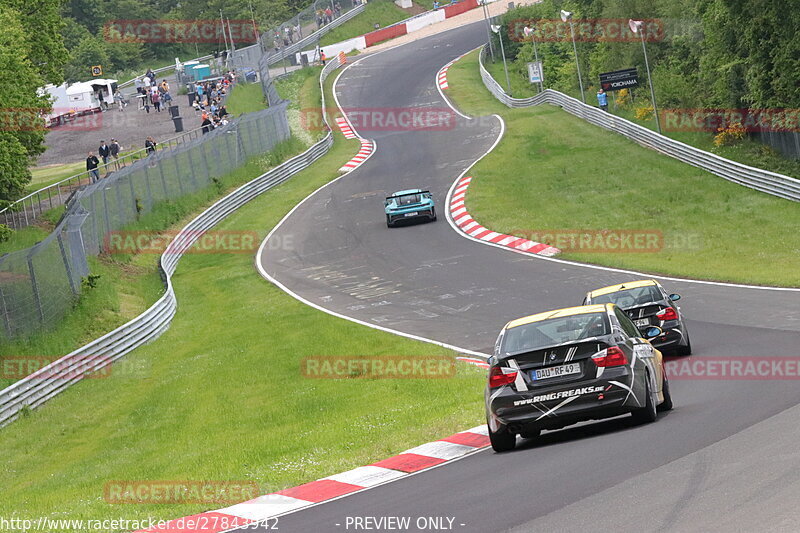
pixel 326 16
pixel 152 93
pixel 208 101
pixel 108 153
pixel 289 33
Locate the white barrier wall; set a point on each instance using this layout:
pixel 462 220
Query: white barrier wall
pixel 432 17
pixel 357 43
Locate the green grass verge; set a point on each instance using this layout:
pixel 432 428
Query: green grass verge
pixel 553 171
pixel 383 12
pixel 220 395
pixel 129 284
pixel 245 98
pixel 748 151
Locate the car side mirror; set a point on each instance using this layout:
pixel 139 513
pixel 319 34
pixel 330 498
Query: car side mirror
pixel 674 297
pixel 652 332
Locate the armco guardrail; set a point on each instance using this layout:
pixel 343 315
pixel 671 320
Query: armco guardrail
pixel 249 56
pixel 754 178
pixel 163 69
pixel 49 381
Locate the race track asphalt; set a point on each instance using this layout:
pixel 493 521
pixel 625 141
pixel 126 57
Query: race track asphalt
pixel 427 280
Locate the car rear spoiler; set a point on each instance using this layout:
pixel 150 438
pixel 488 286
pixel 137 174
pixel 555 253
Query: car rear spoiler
pixel 407 194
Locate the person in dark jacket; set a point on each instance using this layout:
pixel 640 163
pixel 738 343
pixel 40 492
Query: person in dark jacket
pixel 91 167
pixel 104 151
pixel 207 124
pixel 150 145
pixel 114 149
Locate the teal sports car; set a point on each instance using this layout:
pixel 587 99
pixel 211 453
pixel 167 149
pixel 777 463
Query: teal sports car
pixel 410 204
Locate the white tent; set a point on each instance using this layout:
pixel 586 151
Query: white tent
pixel 78 99
pixel 82 97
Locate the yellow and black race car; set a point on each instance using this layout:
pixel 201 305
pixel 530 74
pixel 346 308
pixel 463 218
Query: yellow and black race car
pixel 648 304
pixel 554 369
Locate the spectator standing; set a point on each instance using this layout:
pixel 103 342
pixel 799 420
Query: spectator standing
pixel 602 99
pixel 91 167
pixel 114 150
pixel 146 83
pixel 156 98
pixel 104 152
pixel 121 103
pixel 299 31
pixel 328 15
pixel 207 124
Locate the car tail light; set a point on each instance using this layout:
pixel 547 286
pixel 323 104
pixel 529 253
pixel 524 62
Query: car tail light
pixel 612 356
pixel 667 314
pixel 499 376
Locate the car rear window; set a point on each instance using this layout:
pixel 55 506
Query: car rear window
pixel 630 297
pixel 553 331
pixel 408 199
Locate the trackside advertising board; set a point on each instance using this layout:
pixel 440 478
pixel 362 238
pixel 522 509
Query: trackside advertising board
pixel 619 79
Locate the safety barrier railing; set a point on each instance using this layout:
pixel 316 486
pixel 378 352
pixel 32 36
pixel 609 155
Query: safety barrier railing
pixel 29 208
pixel 49 381
pixel 754 178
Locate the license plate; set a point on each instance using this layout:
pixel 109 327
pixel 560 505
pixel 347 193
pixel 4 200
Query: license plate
pixel 555 371
pixel 415 213
pixel 642 322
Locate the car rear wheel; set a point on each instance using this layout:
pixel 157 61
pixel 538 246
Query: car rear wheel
pixel 685 350
pixel 531 434
pixel 666 405
pixel 502 441
pixel 648 413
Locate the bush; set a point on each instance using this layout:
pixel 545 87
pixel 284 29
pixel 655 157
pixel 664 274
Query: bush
pixel 5 233
pixel 644 112
pixel 729 135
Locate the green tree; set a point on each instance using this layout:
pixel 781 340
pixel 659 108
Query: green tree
pixel 42 22
pixel 21 134
pixel 90 51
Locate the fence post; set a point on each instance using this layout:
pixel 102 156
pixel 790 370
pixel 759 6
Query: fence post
pixel 73 227
pixel 34 286
pixel 4 308
pixel 163 179
pixel 133 199
pixel 105 210
pixel 147 188
pixel 65 258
